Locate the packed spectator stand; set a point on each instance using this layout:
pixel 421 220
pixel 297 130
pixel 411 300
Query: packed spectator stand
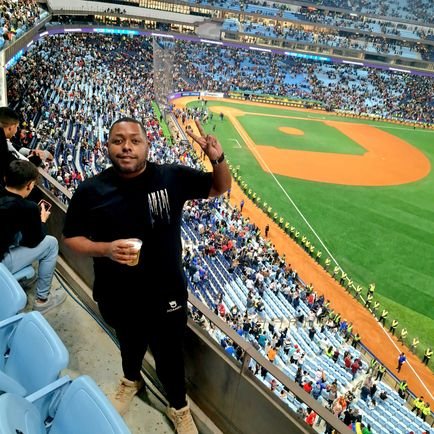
pixel 359 90
pixel 332 37
pixel 16 17
pixel 68 91
pixel 406 10
pixel 369 33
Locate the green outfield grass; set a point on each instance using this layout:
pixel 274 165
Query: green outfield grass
pixel 377 234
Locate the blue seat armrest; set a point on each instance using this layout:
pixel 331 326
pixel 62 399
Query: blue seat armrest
pixel 50 388
pixel 9 321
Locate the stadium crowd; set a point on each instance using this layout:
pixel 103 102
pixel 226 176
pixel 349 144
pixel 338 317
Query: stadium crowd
pixel 331 37
pixel 315 347
pixel 340 87
pixel 419 10
pixel 16 17
pixel 69 88
pixel 375 25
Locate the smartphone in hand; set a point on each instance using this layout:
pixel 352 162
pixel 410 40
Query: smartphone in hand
pixel 47 205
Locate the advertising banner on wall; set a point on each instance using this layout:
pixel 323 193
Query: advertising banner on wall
pixel 213 94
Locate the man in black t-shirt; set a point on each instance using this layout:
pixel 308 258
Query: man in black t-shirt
pixel 139 199
pixel 23 238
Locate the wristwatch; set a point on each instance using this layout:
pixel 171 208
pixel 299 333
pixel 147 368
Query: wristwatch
pixel 219 160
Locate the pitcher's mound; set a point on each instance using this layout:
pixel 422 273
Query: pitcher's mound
pixel 292 131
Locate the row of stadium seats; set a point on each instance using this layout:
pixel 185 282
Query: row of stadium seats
pixel 34 398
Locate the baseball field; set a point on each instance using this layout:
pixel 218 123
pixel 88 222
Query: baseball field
pixel 360 191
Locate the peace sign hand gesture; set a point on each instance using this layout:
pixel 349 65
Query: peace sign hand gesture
pixel 210 145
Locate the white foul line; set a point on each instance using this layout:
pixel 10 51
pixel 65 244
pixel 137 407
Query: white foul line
pixel 319 239
pixel 291 201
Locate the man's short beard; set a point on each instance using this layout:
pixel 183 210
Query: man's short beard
pixel 120 169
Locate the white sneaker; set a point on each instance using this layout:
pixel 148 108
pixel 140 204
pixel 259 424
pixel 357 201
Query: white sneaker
pixel 56 297
pixel 184 423
pixel 125 393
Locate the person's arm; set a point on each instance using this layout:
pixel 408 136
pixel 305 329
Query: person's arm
pixel 84 246
pixel 119 250
pixel 221 180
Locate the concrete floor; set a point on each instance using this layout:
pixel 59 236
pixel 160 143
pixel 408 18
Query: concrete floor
pixel 92 352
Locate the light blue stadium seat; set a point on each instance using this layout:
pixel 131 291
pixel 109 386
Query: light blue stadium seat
pixel 25 273
pixel 32 357
pixel 18 415
pixel 12 296
pixel 82 409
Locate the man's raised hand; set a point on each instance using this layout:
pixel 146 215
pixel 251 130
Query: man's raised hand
pixel 210 145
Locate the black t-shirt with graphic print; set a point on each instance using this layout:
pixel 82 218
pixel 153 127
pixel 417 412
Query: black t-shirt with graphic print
pixel 149 207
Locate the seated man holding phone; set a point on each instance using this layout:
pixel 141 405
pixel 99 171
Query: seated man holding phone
pixel 23 238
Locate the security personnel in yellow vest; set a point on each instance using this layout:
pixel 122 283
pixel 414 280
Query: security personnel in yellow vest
pixel 349 331
pixel 393 326
pixel 307 245
pixel 297 235
pixel 427 356
pixel 327 263
pixel 318 256
pixel 372 364
pixel 383 317
pixel 375 308
pixel 417 405
pixel 368 301
pixel 371 288
pixel 356 340
pixel 286 227
pixel 343 277
pixel 358 291
pixel 349 283
pixel 425 411
pixel 402 389
pixel 403 335
pixel 335 272
pixel 311 250
pixel 380 372
pixel 303 240
pixel 337 318
pixel 414 344
pixel 329 352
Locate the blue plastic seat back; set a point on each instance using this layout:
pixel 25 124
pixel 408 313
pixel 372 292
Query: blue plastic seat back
pixel 84 409
pixel 12 296
pixel 36 356
pixel 18 415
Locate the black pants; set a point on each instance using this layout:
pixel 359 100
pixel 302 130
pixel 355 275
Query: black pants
pixel 140 325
